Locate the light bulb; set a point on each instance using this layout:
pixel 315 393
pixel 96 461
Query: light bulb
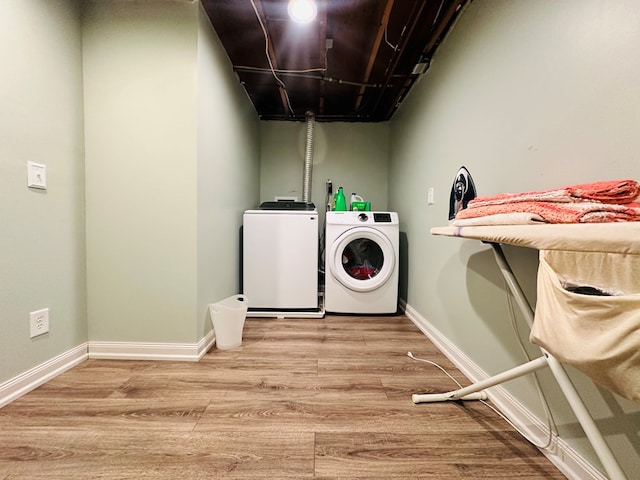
pixel 303 11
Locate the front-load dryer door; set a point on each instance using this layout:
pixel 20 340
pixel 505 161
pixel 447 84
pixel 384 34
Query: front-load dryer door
pixel 362 259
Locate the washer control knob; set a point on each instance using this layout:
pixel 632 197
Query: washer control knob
pixel 363 217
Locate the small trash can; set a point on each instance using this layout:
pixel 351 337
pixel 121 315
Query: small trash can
pixel 228 318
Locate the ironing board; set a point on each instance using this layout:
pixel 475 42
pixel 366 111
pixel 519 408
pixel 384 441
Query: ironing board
pixel 621 238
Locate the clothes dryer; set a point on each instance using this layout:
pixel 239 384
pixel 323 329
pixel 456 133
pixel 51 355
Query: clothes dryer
pixel 361 262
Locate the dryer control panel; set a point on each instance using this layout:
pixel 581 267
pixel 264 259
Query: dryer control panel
pixel 382 217
pixel 361 218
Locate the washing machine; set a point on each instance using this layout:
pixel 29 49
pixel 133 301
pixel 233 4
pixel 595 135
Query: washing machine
pixel 361 262
pixel 280 258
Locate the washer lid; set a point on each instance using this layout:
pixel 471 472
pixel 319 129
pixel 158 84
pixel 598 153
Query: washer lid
pixel 362 259
pixel 287 205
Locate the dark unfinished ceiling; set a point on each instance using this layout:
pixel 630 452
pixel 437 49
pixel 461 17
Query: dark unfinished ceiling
pixel 355 62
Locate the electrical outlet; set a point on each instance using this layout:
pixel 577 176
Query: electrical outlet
pixel 39 322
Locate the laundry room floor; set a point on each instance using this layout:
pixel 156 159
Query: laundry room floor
pixel 301 398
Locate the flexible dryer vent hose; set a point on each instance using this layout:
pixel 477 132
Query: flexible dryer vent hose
pixel 308 159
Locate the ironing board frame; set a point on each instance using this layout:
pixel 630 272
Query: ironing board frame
pixel 583 416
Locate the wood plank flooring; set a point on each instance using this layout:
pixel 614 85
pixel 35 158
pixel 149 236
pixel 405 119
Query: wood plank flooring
pixel 302 398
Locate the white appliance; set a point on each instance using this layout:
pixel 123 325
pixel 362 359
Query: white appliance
pixel 280 259
pixel 361 262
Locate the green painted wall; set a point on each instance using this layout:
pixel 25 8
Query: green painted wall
pixel 354 156
pixel 136 101
pixel 42 259
pixel 140 128
pixel 170 137
pixel 527 95
pixel 228 162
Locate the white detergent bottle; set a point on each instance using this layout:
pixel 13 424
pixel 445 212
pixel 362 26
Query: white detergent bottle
pixel 355 198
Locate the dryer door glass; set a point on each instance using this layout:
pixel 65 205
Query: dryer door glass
pixel 362 259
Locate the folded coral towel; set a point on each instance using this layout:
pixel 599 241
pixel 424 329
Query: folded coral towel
pixel 513 218
pixel 615 191
pixel 559 212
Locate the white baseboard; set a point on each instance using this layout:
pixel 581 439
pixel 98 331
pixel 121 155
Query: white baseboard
pixel 152 351
pixel 31 379
pixel 562 455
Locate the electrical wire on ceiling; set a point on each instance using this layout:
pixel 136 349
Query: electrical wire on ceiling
pixel 386 39
pixel 283 87
pixel 294 73
pixel 277 70
pixel 433 24
pixel 282 70
pixel 435 19
pixel 326 53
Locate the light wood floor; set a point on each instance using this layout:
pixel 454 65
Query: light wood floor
pixel 302 398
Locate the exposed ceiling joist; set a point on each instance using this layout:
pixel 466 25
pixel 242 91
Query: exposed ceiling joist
pixel 355 62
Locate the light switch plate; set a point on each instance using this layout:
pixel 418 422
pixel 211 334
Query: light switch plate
pixel 430 196
pixel 36 175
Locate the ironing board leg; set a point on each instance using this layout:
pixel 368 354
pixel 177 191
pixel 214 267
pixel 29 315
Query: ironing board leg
pixel 594 436
pixel 466 392
pixel 598 443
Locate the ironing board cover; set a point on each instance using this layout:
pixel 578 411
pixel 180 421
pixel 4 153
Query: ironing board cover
pixel 622 237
